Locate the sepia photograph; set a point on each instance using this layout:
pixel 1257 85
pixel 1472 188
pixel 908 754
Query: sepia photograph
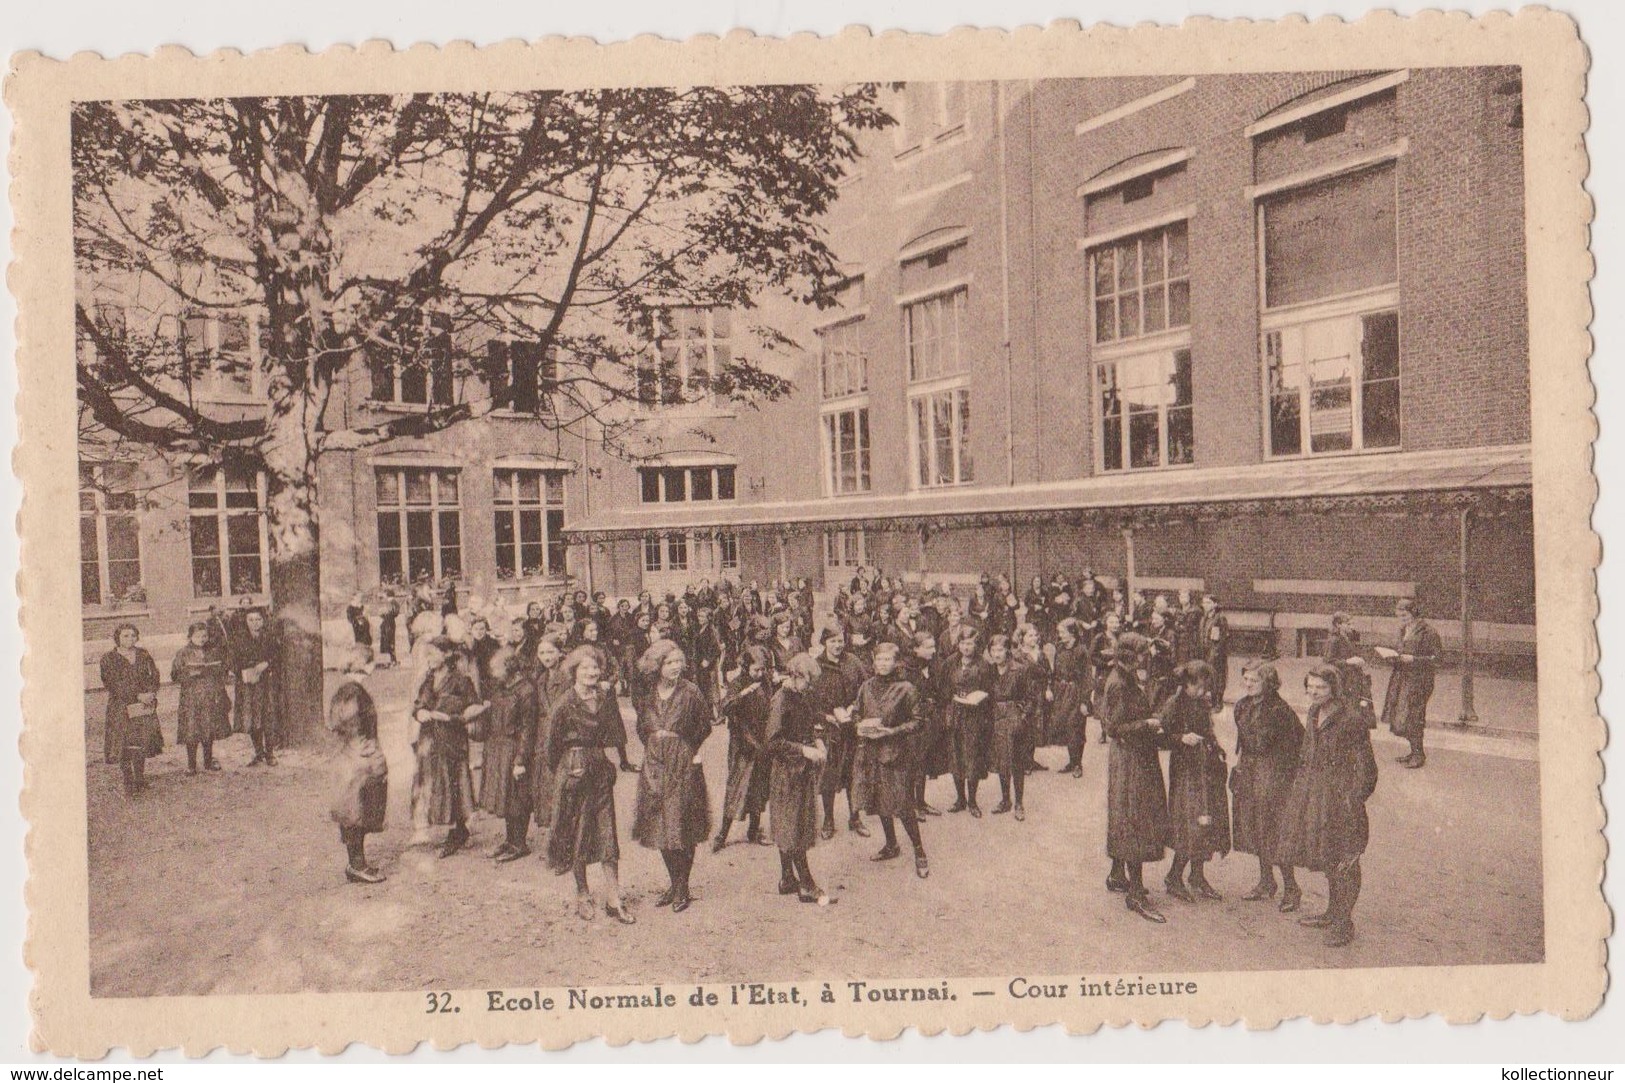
pixel 824 539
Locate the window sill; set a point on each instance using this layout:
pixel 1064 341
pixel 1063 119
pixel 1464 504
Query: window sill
pixel 105 612
pixel 686 412
pixel 543 581
pixel 405 407
pixel 1103 472
pixel 668 505
pixel 948 137
pixel 227 604
pixel 1311 456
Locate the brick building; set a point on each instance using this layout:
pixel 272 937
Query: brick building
pixel 1261 335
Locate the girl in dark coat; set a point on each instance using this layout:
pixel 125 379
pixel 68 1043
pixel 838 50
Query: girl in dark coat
pixel 1405 705
pixel 362 774
pixel 928 751
pixel 444 787
pixel 1198 806
pixel 1136 803
pixel 510 729
pixel 200 672
pixel 888 711
pixel 1102 652
pixel 1325 827
pixel 130 678
pixel 1014 707
pixel 1070 688
pixel 586 720
pixel 552 683
pixel 1268 735
pixel 745 707
pixel 386 630
pixel 253 665
pixel 840 675
pixel 674 810
pixel 968 681
pixel 1213 632
pixel 795 747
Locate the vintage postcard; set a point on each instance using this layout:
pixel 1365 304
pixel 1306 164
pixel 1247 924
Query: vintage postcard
pixel 748 536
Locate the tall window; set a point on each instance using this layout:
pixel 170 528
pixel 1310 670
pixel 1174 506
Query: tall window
pixel 844 549
pixel 929 112
pixel 420 373
pixel 941 424
pixel 728 552
pixel 677 484
pixel 228 534
pixel 218 354
pixel 529 523
pixel 420 530
pixel 1330 330
pixel 843 366
pixel 522 375
pixel 109 534
pixel 1145 411
pixel 931 333
pixel 693 345
pixel 1142 284
pixel 846 451
pixel 1140 291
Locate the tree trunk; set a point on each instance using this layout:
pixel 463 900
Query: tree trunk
pixel 296 596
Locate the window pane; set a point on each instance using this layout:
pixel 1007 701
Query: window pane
pixel 245 575
pixel 555 487
pixel 555 542
pixel 502 486
pixel 1330 238
pixel 942 432
pixel 649 482
pixel 451 528
pixel 504 533
pixel 531 550
pixel 389 531
pixel 123 576
pixel 419 529
pixel 700 483
pixel 1156 309
pixel 677 552
pixel 382 370
pixel 206 578
pixel 863 450
pixel 676 481
pixel 1181 438
pixel 1178 252
pixel 721 322
pixel 1111 443
pixel 1128 265
pixel 1379 346
pixel 725 482
pixel 451 560
pixel 922 440
pixel 1179 303
pixel 1105 321
pixel 1182 379
pixel 414 382
pixel 1151 269
pixel 1128 315
pixel 448 487
pixel 1105 273
pixel 388 488
pixel 417 486
pixel 1379 414
pixel 243 535
pixel 205 536
pixel 530 487
pixel 651 554
pixel 1143 439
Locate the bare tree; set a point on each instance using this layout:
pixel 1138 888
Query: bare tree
pixel 386 237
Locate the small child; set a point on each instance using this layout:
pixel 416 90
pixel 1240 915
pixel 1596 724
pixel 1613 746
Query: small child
pixel 361 774
pixel 199 670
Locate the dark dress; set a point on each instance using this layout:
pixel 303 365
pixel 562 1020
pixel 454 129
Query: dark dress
pixel 1214 635
pixel 1102 657
pixel 583 827
pixel 1015 714
pixel 360 626
pixel 1268 735
pixel 794 722
pixel 880 767
pixel 1196 781
pixel 928 745
pixel 205 710
pixel 674 809
pixel 1405 706
pixel 837 686
pixel 1136 803
pixel 749 773
pixel 361 774
pixel 1069 681
pixel 1325 820
pixel 125 682
pixel 970 729
pixel 444 787
pixel 256 702
pixel 386 629
pixel 551 687
pixel 511 727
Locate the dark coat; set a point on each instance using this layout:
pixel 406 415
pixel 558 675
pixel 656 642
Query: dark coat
pixel 510 741
pixel 583 828
pixel 837 686
pixel 1014 706
pixel 126 682
pixel 745 707
pixel 1214 633
pixel 881 782
pixel 1325 821
pixel 551 686
pixel 256 707
pixel 1405 705
pixel 1268 737
pixel 1136 803
pixel 1196 781
pixel 360 772
pixel 970 729
pixel 674 809
pixel 205 709
pixel 928 745
pixel 1071 686
pixel 795 721
pixel 444 786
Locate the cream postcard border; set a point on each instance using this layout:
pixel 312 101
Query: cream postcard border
pixel 1571 981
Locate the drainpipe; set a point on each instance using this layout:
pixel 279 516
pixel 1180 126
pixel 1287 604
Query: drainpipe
pixel 1004 323
pixel 1468 714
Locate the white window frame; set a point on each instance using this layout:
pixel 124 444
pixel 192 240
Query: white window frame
pixel 1352 306
pixel 512 509
pixel 958 390
pixel 949 296
pixel 102 514
pixel 837 549
pixel 435 508
pixel 395 401
pixel 214 386
pixel 854 356
pixel 910 140
pixel 829 428
pixel 221 513
pixel 669 337
pixel 728 551
pixel 1170 347
pixel 713 469
pixel 1166 285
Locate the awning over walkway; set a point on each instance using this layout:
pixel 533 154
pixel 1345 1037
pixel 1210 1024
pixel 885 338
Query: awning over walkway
pixel 1489 479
